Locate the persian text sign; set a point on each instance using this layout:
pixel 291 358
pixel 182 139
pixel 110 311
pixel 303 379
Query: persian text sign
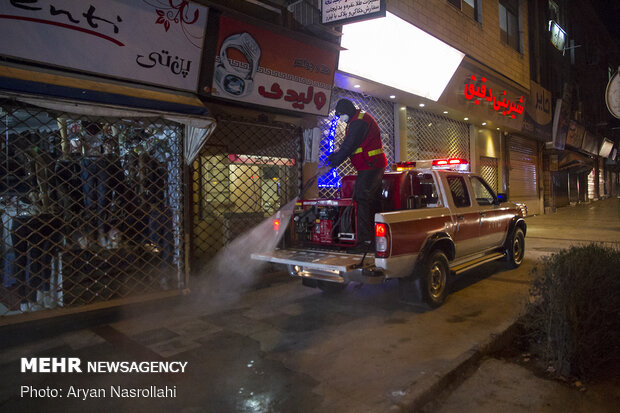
pixel 258 66
pixel 347 11
pixel 477 92
pixel 499 102
pixel 153 42
pixel 538 111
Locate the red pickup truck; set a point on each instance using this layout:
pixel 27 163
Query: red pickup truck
pixel 437 220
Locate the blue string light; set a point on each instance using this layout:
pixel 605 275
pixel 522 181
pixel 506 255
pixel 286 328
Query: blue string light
pixel 330 179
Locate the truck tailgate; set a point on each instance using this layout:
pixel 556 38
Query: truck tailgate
pixel 316 260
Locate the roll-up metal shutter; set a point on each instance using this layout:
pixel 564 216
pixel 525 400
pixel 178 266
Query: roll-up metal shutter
pixel 489 170
pixel 592 185
pixel 91 205
pixel 431 136
pixel 246 172
pixel 523 176
pixel 601 179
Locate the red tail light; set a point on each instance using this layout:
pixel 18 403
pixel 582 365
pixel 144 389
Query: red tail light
pixel 382 239
pixel 380 230
pixel 276 224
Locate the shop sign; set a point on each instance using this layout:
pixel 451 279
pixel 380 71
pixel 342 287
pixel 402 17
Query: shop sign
pixel 477 92
pixel 590 143
pixel 538 113
pixel 258 66
pixel 558 36
pixel 349 11
pixel 575 135
pixel 606 148
pixel 153 42
pixel 561 119
pixel 260 160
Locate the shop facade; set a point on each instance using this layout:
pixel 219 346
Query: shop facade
pixel 577 167
pixel 460 108
pixel 92 186
pixel 506 137
pixel 267 87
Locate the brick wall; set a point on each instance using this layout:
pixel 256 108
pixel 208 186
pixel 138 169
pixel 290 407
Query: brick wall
pixel 479 40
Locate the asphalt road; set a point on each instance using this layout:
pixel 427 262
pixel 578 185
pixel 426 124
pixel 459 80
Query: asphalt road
pixel 277 346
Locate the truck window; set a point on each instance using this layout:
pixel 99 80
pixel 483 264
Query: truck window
pixel 458 189
pixel 482 192
pixel 428 191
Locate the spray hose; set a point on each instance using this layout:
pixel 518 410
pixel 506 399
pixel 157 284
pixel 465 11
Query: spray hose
pixel 320 171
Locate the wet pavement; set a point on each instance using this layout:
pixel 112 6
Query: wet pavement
pixel 277 346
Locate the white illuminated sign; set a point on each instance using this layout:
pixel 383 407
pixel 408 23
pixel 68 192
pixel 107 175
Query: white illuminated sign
pixel 606 148
pixel 558 35
pixel 393 52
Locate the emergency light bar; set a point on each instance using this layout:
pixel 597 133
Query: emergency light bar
pixel 455 164
pixel 401 166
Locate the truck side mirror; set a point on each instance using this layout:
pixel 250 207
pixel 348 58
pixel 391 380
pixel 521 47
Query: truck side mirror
pixel 501 198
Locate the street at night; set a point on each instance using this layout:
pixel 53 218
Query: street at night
pixel 283 347
pixel 231 206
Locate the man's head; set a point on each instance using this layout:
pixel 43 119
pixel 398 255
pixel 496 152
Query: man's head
pixel 345 110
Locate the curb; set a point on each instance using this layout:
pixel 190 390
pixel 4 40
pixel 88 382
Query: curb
pixel 420 397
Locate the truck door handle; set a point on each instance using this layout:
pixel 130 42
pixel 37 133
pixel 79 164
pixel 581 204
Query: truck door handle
pixel 482 214
pixel 461 217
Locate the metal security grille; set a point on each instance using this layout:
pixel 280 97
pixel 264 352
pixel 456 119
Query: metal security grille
pixel 490 172
pixel 431 136
pixel 381 110
pixel 246 172
pixel 91 208
pixel 523 175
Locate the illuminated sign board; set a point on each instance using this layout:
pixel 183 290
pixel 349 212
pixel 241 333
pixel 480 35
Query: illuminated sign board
pixel 500 102
pixel 606 148
pixel 348 11
pixel 376 50
pixel 558 35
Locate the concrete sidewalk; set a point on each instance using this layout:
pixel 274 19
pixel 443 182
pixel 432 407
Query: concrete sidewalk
pixel 281 347
pixel 490 384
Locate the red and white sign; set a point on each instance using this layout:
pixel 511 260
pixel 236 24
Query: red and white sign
pixel 258 66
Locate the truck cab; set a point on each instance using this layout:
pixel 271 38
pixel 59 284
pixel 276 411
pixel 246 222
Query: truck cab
pixel 435 220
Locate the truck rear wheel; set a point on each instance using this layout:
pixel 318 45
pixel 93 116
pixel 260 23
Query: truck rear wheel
pixel 516 249
pixel 331 287
pixel 434 277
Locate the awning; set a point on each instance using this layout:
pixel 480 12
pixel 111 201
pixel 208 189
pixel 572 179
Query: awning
pixel 94 97
pixel 37 81
pixel 575 162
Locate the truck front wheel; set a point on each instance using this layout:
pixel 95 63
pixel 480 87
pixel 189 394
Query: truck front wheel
pixel 516 249
pixel 434 277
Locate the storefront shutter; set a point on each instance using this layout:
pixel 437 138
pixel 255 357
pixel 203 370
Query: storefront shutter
pixel 523 175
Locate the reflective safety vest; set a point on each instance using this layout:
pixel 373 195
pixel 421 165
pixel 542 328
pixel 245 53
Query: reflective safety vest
pixel 370 154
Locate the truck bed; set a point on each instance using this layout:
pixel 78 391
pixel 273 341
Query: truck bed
pixel 316 259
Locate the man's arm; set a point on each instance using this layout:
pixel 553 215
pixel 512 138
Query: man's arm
pixel 355 136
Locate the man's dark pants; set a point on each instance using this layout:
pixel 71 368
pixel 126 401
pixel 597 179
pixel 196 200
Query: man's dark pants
pixel 367 194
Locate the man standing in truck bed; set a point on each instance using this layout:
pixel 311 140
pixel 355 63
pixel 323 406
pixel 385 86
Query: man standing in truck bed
pixel 362 143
